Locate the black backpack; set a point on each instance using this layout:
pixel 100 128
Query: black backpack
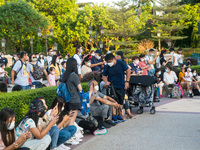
pixel 18 70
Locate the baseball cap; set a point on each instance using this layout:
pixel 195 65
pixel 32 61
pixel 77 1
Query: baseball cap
pixel 121 54
pixel 37 106
pixel 99 52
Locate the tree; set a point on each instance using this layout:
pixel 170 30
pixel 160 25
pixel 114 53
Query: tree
pixel 19 21
pixel 169 21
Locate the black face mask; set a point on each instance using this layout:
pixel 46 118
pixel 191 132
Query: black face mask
pixel 42 114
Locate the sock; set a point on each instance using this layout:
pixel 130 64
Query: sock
pixel 190 92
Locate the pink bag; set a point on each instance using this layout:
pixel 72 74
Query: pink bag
pixel 180 89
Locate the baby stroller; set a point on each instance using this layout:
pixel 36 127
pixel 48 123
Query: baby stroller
pixel 141 92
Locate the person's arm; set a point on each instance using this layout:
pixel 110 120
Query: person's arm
pixel 152 62
pixel 128 74
pixel 65 119
pixel 104 101
pixel 48 79
pixel 173 60
pixel 13 76
pixel 105 79
pixel 45 72
pixel 79 87
pixel 110 99
pixel 97 64
pixel 39 135
pixel 92 97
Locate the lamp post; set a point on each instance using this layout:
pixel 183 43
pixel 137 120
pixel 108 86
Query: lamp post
pixel 169 43
pixel 198 24
pixel 39 31
pixel 101 33
pixel 159 43
pixel 3 44
pixel 55 46
pixel 31 43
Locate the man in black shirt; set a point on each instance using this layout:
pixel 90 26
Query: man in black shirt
pixel 3 60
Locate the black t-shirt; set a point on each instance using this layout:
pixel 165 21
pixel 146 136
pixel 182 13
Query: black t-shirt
pixel 4 61
pixel 162 60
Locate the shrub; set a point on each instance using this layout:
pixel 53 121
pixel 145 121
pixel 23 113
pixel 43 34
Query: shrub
pixel 19 101
pixel 197 67
pixel 8 70
pixel 91 75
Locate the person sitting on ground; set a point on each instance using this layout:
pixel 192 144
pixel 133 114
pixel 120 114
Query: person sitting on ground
pixel 195 81
pixel 143 64
pixel 94 124
pixel 3 87
pixel 49 57
pixel 170 79
pixel 57 67
pixel 66 131
pixel 150 62
pixel 96 61
pixel 159 83
pixel 135 68
pixel 40 140
pixel 100 105
pixel 7 132
pixel 3 59
pixel 188 79
pixel 86 65
pixel 20 70
pixel 4 75
pixel 114 73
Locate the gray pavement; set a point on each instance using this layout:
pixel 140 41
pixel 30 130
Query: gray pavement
pixel 173 127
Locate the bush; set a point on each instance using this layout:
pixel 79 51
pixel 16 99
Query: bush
pixel 19 101
pixel 8 70
pixel 197 67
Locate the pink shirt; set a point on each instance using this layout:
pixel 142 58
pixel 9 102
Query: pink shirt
pixel 2 74
pixel 52 79
pixel 143 64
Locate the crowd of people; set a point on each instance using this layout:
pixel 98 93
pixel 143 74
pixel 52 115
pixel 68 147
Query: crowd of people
pixel 94 111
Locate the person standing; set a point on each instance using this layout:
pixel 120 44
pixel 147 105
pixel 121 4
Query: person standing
pixel 49 57
pixel 22 75
pixel 96 62
pixel 150 62
pixel 180 56
pixel 56 64
pixel 114 73
pixel 3 59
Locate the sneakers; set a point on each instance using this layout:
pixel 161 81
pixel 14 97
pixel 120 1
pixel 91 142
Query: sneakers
pixel 170 96
pixel 106 125
pixel 110 122
pixel 71 142
pixel 119 118
pixel 62 147
pixel 114 117
pixel 190 95
pixel 100 132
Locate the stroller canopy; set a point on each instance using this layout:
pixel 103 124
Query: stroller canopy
pixel 143 80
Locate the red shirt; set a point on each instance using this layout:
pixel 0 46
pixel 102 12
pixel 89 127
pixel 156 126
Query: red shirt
pixel 143 64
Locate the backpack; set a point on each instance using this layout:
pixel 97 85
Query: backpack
pixel 85 103
pixel 176 92
pixel 18 70
pixel 37 72
pixel 63 92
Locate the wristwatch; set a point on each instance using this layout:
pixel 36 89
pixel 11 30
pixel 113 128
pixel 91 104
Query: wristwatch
pixel 127 81
pixel 15 145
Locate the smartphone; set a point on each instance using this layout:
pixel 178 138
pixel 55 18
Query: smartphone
pixel 27 128
pixel 169 59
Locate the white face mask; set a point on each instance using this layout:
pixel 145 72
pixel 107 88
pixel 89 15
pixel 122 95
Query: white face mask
pixel 93 54
pixel 63 108
pixel 41 56
pixel 172 53
pixel 51 53
pixel 81 51
pixel 111 64
pixel 37 56
pixel 2 55
pixel 137 62
pixel 98 57
pixel 89 64
pixel 189 69
pixel 194 74
pixel 97 87
pixel 142 59
pixel 15 58
pixel 57 60
pixel 11 125
pixel 53 72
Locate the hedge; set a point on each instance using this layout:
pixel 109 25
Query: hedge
pixel 20 101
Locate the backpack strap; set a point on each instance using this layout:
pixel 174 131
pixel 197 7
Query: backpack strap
pixel 20 67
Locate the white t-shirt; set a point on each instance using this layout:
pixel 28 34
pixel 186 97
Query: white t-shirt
pixel 22 76
pixel 176 59
pixel 180 58
pixel 150 58
pixel 2 74
pixel 49 59
pixel 21 128
pixel 170 78
pixel 85 69
pixel 78 60
pixel 158 62
pixel 30 69
pixel 188 76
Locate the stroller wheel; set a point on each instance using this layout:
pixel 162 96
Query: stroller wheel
pixel 153 111
pixel 139 111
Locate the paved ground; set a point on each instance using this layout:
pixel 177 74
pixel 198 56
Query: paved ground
pixel 175 126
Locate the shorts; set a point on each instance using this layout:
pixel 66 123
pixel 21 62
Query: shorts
pixel 72 106
pixel 120 95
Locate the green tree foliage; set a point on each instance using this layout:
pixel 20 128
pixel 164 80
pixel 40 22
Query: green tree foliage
pixel 19 21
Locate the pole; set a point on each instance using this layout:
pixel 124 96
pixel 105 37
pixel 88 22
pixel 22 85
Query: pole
pixel 32 48
pixel 46 42
pixel 159 44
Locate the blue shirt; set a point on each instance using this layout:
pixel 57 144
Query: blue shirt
pixel 116 74
pixel 135 68
pixel 95 61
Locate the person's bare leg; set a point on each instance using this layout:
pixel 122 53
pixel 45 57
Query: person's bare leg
pixel 160 88
pixel 73 118
pixel 129 113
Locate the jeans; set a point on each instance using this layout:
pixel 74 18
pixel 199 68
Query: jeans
pixel 37 144
pixel 151 72
pixel 37 84
pixel 66 133
pixel 54 134
pixel 25 87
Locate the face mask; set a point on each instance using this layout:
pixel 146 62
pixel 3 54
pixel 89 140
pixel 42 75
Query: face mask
pixel 152 55
pixel 172 53
pixel 41 56
pixel 53 72
pixel 189 69
pixel 98 57
pixel 159 73
pixel 57 60
pixel 65 66
pixel 142 59
pixel 63 108
pixel 166 70
pixel 34 59
pixel 51 53
pixel 26 58
pixel 11 125
pixel 15 58
pixel 89 64
pixel 37 56
pixel 4 67
pixel 81 51
pixel 137 62
pixel 194 74
pixel 93 54
pixel 97 87
pixel 42 114
pixel 2 55
pixel 110 64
